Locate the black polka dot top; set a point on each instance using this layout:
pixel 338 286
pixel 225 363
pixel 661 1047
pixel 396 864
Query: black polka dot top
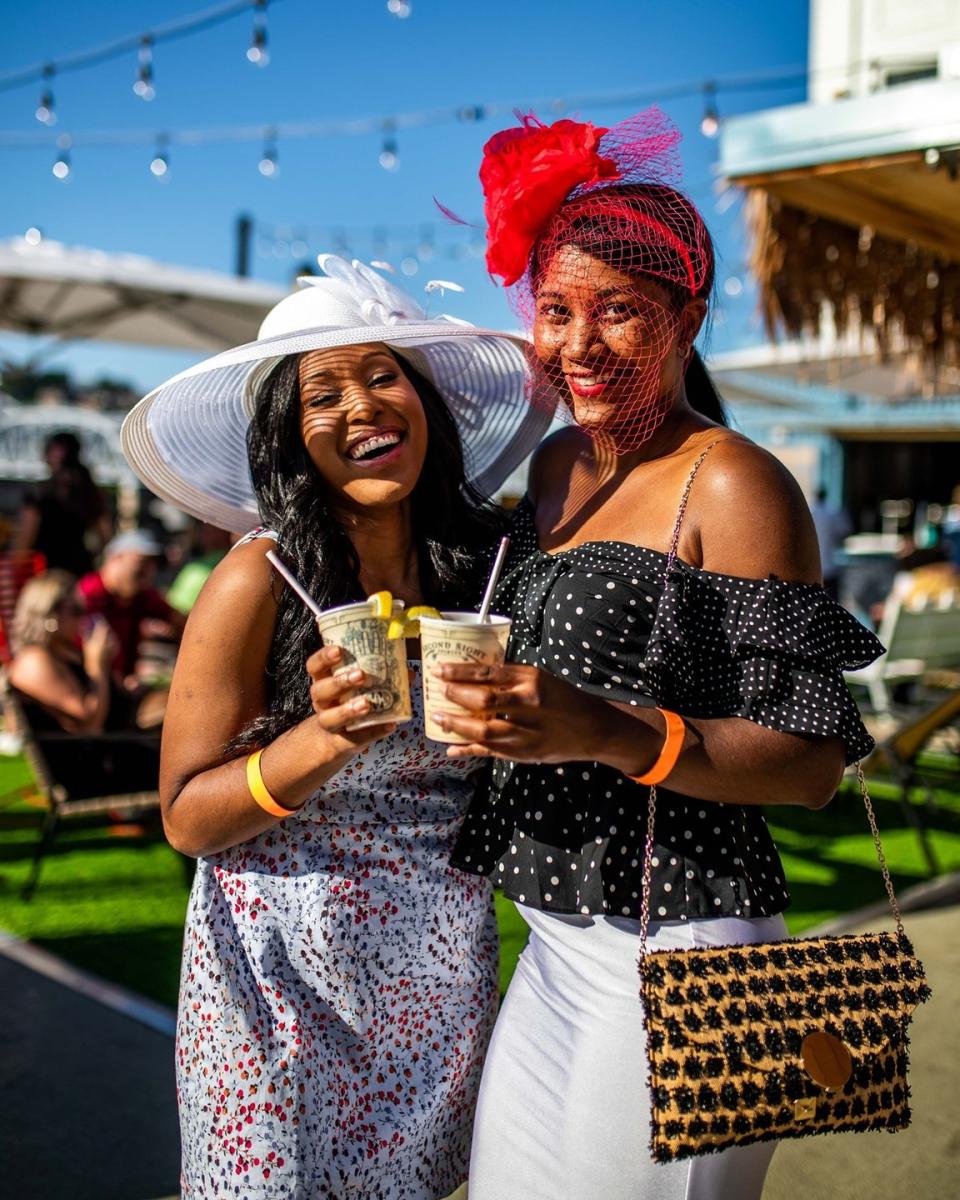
pixel 612 620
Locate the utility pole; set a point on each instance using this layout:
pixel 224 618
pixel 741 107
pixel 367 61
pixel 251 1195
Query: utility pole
pixel 243 233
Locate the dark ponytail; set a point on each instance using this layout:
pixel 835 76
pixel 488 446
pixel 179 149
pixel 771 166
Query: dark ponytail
pixel 702 394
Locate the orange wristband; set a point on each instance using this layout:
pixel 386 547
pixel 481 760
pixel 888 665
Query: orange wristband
pixel 258 789
pixel 669 753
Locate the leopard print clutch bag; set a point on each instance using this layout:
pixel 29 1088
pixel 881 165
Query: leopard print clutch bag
pixel 777 1040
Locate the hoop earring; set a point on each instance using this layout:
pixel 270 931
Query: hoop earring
pixel 51 624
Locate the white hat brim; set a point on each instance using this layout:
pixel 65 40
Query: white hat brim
pixel 187 439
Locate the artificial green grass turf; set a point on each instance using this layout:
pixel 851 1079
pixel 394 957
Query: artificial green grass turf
pixel 116 906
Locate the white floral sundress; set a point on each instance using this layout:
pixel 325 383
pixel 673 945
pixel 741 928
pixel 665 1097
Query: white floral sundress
pixel 338 989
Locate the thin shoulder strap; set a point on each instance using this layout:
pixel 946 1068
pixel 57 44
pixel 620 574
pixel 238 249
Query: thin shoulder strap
pixel 681 511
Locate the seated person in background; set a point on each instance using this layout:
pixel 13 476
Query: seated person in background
pixel 62 671
pixel 210 544
pixel 122 592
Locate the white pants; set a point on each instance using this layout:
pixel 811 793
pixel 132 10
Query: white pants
pixel 564 1108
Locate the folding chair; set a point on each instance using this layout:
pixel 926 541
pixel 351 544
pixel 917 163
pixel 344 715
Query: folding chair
pixel 902 749
pixel 56 797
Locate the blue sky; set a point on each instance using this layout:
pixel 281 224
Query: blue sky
pixel 354 59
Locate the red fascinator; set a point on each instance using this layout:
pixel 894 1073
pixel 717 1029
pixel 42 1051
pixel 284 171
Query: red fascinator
pixel 528 173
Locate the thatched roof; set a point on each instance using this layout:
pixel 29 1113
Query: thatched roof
pixel 813 270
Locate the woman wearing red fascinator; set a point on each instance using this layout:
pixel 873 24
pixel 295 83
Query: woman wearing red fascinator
pixel 669 628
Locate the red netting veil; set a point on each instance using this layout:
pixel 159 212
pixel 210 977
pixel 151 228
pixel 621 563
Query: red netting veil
pixel 603 255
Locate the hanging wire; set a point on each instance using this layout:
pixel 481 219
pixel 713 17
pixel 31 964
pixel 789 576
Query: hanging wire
pixel 192 23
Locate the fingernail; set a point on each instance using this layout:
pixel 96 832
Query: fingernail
pixel 441 720
pixel 334 652
pixel 359 704
pixel 355 675
pixel 436 672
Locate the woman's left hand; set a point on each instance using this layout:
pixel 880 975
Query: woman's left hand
pixel 527 715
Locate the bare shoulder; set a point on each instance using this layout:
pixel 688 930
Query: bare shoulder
pixel 554 459
pixel 752 517
pixel 33 666
pixel 242 579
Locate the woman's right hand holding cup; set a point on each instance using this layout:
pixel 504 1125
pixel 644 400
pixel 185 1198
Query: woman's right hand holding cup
pixel 335 702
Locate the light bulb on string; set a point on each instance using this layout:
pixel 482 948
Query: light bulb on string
pixel 61 165
pixel 389 157
pixel 143 86
pixel 160 163
pixel 44 110
pixel 33 236
pixel 399 8
pixel 710 121
pixel 268 166
pixel 257 52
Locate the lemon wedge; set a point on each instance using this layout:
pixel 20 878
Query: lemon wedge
pixel 381 604
pixel 396 629
pixel 413 616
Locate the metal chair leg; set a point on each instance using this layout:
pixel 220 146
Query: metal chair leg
pixel 50 823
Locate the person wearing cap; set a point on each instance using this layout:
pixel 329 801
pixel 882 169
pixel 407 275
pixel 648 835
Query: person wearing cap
pixel 122 592
pixel 339 979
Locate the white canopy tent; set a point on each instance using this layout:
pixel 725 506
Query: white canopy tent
pixel 51 290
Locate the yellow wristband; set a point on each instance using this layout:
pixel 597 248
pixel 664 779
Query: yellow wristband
pixel 258 789
pixel 669 752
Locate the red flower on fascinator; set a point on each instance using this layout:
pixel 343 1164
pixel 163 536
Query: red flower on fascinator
pixel 526 175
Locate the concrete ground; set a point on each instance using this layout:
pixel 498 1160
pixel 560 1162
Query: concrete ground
pixel 89 1112
pixel 922 1162
pixel 86 1096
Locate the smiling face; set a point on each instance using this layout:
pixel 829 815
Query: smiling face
pixel 615 345
pixel 362 423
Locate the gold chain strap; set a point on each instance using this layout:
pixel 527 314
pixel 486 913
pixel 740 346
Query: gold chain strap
pixel 684 499
pixel 878 846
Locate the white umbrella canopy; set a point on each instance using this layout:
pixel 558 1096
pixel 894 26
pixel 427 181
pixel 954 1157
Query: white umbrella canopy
pixel 51 290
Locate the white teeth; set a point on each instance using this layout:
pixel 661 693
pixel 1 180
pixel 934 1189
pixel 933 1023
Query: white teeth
pixel 377 442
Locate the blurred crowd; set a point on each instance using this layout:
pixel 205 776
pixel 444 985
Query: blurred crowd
pixel 92 638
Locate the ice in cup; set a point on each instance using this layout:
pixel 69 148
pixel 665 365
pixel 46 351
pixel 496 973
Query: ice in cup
pixel 363 638
pixel 457 637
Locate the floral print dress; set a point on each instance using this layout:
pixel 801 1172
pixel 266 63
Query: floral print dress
pixel 338 990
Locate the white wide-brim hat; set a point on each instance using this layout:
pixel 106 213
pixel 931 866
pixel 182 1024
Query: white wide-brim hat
pixel 187 439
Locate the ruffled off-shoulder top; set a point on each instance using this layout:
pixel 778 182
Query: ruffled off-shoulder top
pixel 625 623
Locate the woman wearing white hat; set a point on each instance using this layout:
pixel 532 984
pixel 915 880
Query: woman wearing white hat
pixel 339 980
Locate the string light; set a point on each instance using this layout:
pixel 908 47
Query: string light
pixel 61 165
pixel 44 110
pixel 268 166
pixel 33 236
pixel 400 8
pixel 710 122
pixel 160 163
pixel 143 87
pixel 389 152
pixel 258 53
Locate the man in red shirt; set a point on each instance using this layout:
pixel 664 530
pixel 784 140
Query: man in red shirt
pixel 122 592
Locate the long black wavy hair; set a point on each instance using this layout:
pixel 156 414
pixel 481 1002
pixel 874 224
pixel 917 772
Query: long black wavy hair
pixel 454 531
